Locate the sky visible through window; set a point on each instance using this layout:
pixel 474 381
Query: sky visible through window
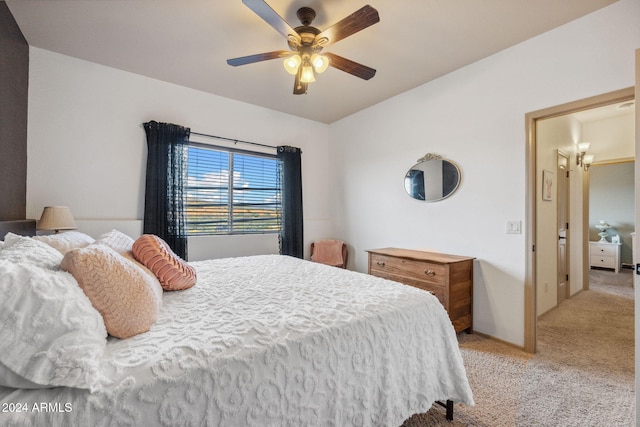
pixel 219 179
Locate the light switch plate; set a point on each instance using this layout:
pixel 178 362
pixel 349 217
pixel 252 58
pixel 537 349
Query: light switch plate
pixel 514 227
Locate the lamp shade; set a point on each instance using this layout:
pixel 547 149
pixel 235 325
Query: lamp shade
pixel 56 218
pixel 583 147
pixel 319 62
pixel 292 63
pixel 307 74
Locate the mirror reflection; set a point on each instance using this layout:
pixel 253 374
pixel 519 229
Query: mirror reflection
pixel 432 178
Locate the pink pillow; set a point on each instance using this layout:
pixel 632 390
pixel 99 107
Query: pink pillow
pixel 123 244
pixel 172 271
pixel 122 293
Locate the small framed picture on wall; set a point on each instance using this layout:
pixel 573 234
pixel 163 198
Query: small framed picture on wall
pixel 548 185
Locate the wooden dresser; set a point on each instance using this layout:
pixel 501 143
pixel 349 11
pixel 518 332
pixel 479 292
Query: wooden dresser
pixel 448 277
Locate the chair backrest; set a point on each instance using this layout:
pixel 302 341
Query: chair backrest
pixel 330 252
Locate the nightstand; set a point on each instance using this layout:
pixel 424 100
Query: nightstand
pixel 604 255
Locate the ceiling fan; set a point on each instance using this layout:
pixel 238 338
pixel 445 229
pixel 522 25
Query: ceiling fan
pixel 306 43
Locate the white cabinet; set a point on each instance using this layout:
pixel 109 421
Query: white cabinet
pixel 604 255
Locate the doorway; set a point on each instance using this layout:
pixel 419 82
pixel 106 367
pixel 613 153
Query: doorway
pixel 580 226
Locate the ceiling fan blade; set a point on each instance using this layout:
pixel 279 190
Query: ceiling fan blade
pixel 271 17
pixel 244 60
pixel 357 21
pixel 349 66
pixel 299 88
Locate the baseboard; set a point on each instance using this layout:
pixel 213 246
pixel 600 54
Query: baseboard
pixel 492 338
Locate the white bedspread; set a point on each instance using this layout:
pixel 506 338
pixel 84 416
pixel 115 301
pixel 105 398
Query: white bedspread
pixel 269 341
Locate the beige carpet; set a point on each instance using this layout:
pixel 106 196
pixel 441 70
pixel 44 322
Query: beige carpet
pixel 582 375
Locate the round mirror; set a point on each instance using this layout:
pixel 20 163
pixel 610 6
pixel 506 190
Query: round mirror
pixel 432 178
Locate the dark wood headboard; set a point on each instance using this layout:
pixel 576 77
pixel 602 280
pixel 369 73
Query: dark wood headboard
pixel 23 227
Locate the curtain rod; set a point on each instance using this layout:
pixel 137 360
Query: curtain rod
pixel 235 141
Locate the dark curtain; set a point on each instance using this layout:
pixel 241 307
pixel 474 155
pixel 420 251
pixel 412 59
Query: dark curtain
pixel 165 200
pixel 290 174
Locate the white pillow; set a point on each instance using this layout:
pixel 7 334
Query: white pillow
pixel 11 379
pixel 118 241
pixel 66 240
pixel 22 249
pixel 51 335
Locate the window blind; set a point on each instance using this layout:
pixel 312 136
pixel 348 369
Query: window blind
pixel 232 192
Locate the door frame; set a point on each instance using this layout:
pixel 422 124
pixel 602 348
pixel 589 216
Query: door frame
pixel 531 118
pixel 566 201
pixel 636 247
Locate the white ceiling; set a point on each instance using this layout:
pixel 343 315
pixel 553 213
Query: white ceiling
pixel 187 42
pixel 608 111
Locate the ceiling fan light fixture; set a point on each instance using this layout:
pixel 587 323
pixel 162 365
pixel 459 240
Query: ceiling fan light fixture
pixel 292 63
pixel 320 62
pixel 306 76
pixel 305 42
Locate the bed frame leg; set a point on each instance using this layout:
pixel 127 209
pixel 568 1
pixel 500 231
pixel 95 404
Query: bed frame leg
pixel 449 407
pixel 449 410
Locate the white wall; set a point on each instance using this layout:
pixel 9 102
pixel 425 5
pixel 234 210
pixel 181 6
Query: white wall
pixel 87 146
pixel 474 116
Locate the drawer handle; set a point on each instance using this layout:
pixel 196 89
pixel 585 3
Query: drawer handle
pixel 380 263
pixel 430 272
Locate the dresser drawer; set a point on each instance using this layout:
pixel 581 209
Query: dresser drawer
pixel 410 269
pixel 603 250
pixel 603 261
pixel 436 289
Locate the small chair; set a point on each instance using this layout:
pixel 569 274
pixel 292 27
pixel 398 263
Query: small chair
pixel 330 252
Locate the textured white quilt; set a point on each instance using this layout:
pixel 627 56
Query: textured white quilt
pixel 268 341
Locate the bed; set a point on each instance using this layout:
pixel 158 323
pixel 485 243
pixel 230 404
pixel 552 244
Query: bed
pixel 258 341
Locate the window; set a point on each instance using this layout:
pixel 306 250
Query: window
pixel 232 192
